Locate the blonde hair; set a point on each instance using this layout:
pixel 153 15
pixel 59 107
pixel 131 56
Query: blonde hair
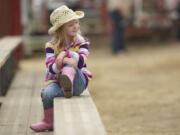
pixel 59 37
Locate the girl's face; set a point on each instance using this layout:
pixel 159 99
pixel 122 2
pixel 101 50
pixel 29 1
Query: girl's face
pixel 72 28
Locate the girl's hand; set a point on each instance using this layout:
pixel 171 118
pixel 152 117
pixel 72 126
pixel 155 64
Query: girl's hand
pixel 59 59
pixel 70 61
pixel 62 55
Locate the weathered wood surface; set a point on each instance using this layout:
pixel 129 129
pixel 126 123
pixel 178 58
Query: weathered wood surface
pixel 77 116
pixel 22 105
pixel 8 60
pixel 7 45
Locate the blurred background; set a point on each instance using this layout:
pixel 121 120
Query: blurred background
pixel 147 19
pixel 137 91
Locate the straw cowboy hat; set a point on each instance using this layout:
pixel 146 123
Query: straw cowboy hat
pixel 61 16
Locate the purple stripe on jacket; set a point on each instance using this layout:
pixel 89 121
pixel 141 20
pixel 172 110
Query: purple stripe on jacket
pixel 84 46
pixel 81 61
pixel 50 69
pixel 49 50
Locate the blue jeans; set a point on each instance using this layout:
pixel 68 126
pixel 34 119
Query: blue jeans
pixel 118 35
pixel 54 89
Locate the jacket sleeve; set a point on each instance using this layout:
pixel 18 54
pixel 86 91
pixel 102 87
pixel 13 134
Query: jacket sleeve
pixel 82 55
pixel 50 59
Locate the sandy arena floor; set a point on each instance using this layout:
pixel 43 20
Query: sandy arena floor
pixel 136 93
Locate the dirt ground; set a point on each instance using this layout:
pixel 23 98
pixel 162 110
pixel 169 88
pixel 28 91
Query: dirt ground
pixel 137 92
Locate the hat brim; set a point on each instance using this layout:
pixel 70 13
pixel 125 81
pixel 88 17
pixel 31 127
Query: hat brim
pixel 78 15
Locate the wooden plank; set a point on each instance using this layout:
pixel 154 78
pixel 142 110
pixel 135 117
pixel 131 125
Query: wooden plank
pixel 36 109
pixel 77 116
pixel 4 56
pixel 15 108
pixel 7 45
pixel 7 63
pixel 10 42
pixel 6 74
pixel 7 71
pixel 22 104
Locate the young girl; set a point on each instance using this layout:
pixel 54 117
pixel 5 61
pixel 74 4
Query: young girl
pixel 66 56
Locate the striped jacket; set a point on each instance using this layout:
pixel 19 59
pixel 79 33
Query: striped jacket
pixel 77 50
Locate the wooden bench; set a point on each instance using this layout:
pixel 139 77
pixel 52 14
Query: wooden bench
pixel 22 104
pixel 10 49
pixel 77 116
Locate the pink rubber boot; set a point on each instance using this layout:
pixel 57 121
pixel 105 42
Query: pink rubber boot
pixel 66 81
pixel 46 124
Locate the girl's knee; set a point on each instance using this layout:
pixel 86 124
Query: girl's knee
pixel 43 94
pixel 46 95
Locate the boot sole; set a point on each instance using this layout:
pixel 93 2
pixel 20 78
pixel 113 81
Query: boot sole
pixel 65 82
pixel 43 130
